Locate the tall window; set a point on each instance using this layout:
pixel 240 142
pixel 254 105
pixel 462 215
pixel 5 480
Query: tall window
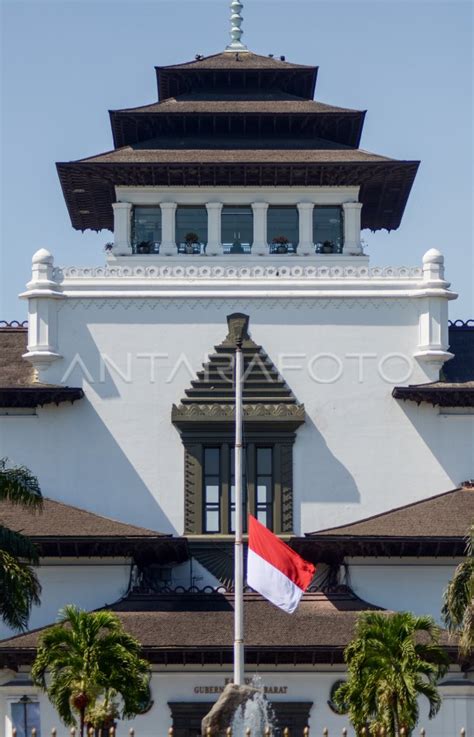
pixel 191 220
pixel 328 232
pixel 264 486
pixel 146 229
pixel 25 716
pixel 283 222
pixel 218 486
pixel 237 229
pixel 212 489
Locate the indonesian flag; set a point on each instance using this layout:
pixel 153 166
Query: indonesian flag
pixel 274 570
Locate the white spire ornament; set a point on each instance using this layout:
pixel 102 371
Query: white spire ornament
pixel 236 31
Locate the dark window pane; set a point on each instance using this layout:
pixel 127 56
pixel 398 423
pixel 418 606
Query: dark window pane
pixel 264 461
pixel 211 461
pixel 146 228
pixel 191 220
pixel 283 221
pixel 328 228
pixel 237 229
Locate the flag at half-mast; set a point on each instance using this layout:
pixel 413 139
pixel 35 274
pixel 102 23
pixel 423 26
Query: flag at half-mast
pixel 274 569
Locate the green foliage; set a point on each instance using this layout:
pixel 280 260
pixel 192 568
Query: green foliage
pixel 393 659
pixel 91 661
pixel 19 586
pixel 458 607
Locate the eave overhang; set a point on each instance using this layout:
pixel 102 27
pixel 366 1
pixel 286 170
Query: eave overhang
pixel 447 395
pixel 320 548
pixel 131 127
pixel 89 187
pixel 37 396
pixel 178 80
pixel 161 549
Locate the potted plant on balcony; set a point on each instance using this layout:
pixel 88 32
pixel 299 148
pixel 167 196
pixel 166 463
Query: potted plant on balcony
pixel 328 247
pixel 144 247
pixel 281 243
pixel 191 240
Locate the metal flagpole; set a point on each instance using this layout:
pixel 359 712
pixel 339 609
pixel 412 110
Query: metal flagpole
pixel 238 547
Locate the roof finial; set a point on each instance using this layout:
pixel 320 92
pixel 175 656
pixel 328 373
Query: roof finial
pixel 236 31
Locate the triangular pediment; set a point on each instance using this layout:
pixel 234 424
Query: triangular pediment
pixel 266 395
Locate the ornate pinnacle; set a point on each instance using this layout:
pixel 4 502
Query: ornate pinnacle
pixel 236 31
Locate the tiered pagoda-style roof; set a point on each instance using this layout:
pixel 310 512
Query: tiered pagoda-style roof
pixel 236 119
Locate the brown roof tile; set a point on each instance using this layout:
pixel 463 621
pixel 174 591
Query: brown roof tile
pixel 242 60
pixel 203 621
pixel 14 370
pixel 181 106
pixel 19 386
pixel 445 515
pixel 58 520
pixel 141 155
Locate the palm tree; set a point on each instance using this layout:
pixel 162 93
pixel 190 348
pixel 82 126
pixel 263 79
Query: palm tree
pixel 458 607
pixel 393 659
pixel 85 663
pixel 19 586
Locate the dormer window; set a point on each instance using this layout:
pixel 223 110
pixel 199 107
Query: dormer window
pixel 205 420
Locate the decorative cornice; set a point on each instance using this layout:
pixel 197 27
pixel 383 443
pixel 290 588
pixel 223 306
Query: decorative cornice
pixel 227 411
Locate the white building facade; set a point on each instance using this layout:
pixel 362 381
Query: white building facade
pixel 239 213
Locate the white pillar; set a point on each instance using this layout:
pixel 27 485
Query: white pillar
pixel 260 242
pixel 168 229
pixel 433 314
pixel 306 241
pixel 43 293
pixel 122 228
pixel 352 211
pixel 214 228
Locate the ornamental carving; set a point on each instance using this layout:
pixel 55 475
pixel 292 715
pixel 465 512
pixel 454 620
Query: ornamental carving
pixel 237 272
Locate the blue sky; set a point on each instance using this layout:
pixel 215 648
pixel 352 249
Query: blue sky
pixel 65 64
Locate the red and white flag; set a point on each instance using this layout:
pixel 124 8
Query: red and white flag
pixel 274 570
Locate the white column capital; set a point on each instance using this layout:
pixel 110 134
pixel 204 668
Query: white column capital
pixel 305 242
pixel 122 228
pixel 168 229
pixel 214 227
pixel 352 206
pixel 260 242
pixel 260 206
pixel 168 206
pixel 352 215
